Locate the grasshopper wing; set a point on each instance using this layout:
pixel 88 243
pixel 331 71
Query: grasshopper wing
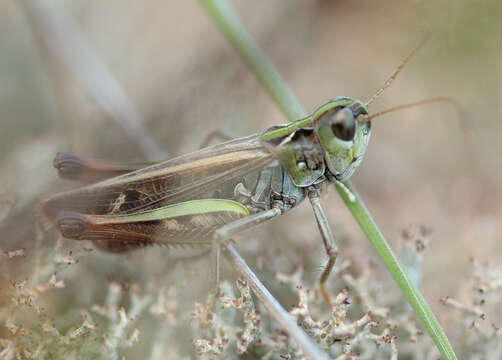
pixel 189 177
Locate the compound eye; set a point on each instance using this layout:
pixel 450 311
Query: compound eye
pixel 343 124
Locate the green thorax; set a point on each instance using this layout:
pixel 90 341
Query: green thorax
pixel 300 154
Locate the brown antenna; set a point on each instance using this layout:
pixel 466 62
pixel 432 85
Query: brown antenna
pixel 405 61
pixel 460 110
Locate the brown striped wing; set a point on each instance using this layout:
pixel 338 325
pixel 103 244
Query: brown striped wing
pixel 180 179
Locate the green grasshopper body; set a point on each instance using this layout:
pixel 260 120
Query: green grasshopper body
pixel 207 196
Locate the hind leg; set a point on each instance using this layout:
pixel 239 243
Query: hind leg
pixel 224 234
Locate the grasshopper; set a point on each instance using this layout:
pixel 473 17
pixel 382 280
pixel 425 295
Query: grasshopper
pixel 208 196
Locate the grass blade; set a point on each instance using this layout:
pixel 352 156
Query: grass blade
pixel 415 299
pixel 232 29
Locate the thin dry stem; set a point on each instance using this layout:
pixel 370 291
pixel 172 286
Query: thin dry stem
pixel 65 42
pixel 275 309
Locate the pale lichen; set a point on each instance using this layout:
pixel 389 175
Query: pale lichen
pixel 368 319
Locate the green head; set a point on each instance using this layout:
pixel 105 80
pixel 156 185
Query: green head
pixel 342 137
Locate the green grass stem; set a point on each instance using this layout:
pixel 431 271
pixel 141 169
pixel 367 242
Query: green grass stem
pixel 243 43
pixel 413 295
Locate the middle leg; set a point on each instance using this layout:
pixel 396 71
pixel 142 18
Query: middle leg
pixel 327 238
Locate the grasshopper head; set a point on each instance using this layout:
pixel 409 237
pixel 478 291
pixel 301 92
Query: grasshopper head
pixel 342 137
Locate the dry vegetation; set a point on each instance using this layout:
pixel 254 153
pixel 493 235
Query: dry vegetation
pixel 59 299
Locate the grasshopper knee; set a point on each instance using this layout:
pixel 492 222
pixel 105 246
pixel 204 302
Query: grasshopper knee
pixel 72 226
pixel 69 165
pixel 221 237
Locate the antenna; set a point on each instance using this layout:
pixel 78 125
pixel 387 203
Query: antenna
pixel 405 61
pixel 461 112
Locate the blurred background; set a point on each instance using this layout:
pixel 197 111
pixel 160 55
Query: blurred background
pixel 177 79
